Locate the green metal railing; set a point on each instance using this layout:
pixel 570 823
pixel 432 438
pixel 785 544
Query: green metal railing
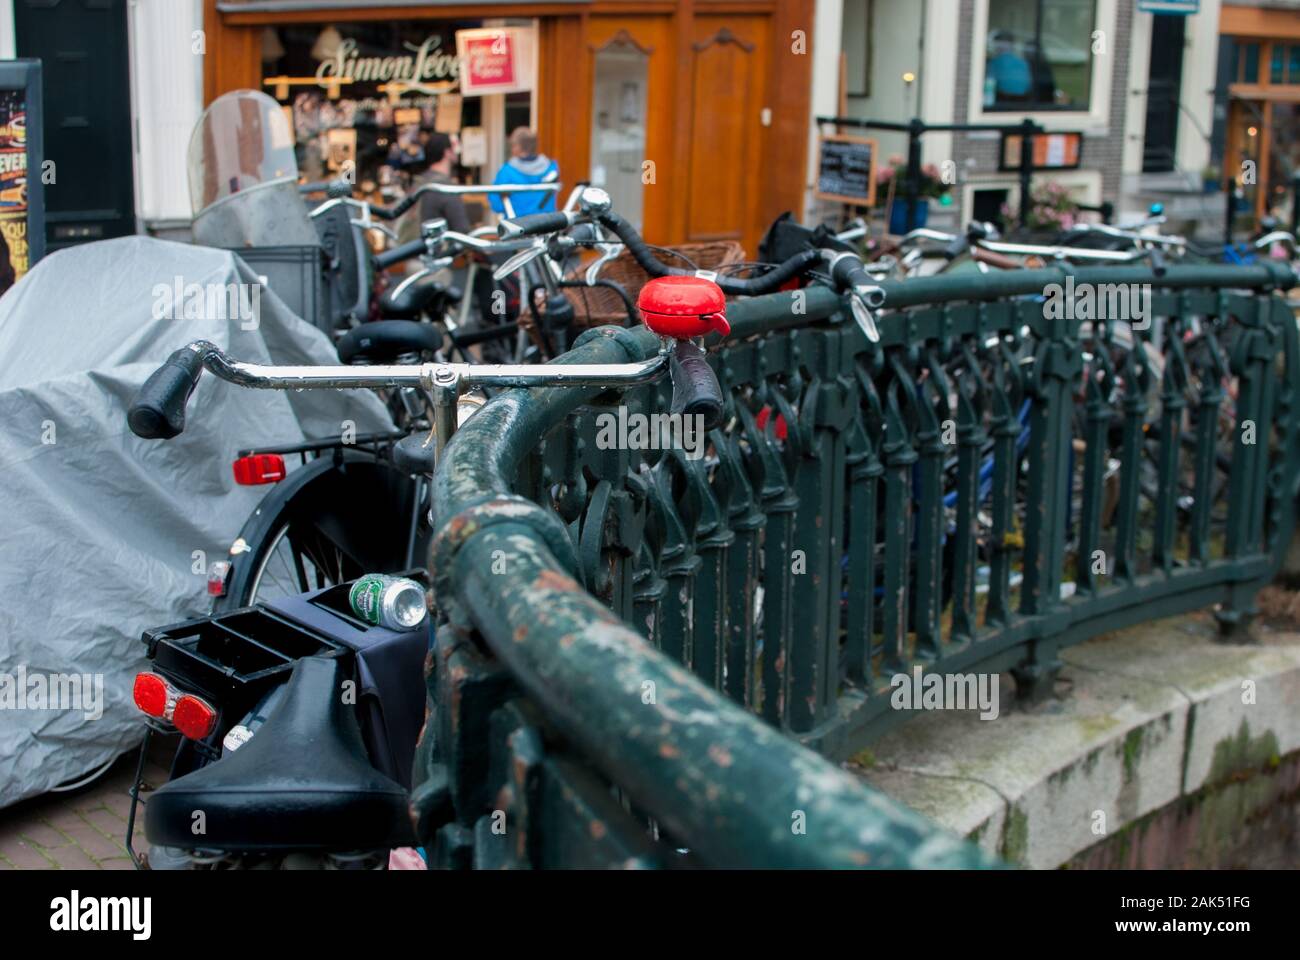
pixel 640 647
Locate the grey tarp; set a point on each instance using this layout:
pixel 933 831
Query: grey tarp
pixel 102 534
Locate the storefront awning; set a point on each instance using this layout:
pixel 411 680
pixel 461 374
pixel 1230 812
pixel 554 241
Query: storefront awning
pixel 329 6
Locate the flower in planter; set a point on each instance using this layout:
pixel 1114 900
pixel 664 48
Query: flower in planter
pixel 931 186
pixel 1051 207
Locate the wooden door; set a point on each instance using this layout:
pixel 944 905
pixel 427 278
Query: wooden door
pixel 647 40
pixel 727 144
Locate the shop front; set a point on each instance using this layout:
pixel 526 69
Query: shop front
pixel 1262 66
pixel 693 115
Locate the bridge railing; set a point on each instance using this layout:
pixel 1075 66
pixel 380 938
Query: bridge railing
pixel 640 643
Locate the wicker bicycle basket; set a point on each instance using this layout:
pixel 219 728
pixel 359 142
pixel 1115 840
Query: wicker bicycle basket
pixel 594 306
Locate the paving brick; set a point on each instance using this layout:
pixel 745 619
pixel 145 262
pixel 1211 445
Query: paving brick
pixel 91 841
pixel 71 858
pixel 24 856
pixel 119 802
pixel 117 863
pixel 42 834
pixel 106 820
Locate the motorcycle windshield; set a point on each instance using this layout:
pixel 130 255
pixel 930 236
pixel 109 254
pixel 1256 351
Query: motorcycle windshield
pixel 243 140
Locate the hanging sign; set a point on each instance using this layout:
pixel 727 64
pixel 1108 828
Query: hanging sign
pixel 495 60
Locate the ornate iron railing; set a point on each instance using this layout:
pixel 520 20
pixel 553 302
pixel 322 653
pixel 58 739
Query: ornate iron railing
pixel 638 641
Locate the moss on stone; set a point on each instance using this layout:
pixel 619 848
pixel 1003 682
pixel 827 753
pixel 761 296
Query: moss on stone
pixel 1132 749
pixel 1015 835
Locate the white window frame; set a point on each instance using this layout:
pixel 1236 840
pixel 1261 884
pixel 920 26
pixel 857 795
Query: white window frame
pixel 1096 117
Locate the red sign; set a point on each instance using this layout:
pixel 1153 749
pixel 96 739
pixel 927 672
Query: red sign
pixel 489 61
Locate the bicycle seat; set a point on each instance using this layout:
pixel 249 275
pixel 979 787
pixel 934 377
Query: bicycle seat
pixel 383 341
pixel 303 782
pixel 408 300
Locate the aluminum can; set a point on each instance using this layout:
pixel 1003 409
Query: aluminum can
pixel 395 603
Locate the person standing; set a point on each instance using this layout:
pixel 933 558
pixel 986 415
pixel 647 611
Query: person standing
pixel 441 155
pixel 525 166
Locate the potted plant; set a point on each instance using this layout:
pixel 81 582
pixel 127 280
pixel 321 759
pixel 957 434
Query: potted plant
pixel 891 183
pixel 1051 210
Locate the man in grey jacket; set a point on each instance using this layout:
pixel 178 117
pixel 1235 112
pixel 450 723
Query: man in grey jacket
pixel 442 157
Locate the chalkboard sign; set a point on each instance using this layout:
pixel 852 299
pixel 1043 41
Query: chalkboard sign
pixel 846 169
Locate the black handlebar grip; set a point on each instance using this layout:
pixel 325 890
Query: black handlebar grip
pixel 158 410
pixel 956 248
pixel 695 385
pixel 532 225
pixel 396 255
pixel 1157 259
pixel 849 273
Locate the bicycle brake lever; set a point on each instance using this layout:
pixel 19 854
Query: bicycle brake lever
pixel 608 251
pixel 866 320
pixel 519 260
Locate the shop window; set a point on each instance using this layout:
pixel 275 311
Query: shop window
pixel 1039 55
pixel 618 131
pixel 397 85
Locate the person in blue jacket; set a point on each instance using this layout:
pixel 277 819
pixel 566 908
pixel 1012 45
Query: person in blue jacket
pixel 526 165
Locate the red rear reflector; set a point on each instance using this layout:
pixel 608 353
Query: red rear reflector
pixel 259 468
pixel 218 574
pixel 193 717
pixel 151 694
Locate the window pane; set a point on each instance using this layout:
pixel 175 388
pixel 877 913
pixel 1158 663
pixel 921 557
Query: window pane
pixel 1250 74
pixel 1275 67
pixel 1293 65
pixel 1039 54
pixel 618 126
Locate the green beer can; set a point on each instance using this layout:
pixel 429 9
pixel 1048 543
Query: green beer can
pixel 395 603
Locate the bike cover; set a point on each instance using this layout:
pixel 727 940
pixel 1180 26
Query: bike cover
pixel 106 534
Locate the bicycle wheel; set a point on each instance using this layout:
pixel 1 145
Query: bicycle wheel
pixel 328 523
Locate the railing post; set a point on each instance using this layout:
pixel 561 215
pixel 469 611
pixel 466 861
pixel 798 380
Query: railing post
pixel 1027 130
pixel 1056 365
pixel 915 129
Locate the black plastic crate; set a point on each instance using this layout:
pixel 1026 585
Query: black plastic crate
pixel 298 276
pixel 234 657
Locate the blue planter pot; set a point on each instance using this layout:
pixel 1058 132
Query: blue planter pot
pixel 898 216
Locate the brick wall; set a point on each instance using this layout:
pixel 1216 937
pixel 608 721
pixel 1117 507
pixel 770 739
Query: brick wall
pixel 1103 153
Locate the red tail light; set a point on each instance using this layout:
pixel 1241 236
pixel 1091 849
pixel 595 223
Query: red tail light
pixel 194 717
pixel 152 694
pixel 259 468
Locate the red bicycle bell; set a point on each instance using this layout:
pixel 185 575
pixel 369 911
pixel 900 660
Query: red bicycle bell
pixel 683 307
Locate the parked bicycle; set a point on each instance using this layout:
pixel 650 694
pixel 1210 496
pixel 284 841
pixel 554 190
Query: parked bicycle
pixel 247 689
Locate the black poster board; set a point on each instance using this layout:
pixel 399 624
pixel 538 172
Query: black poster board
pixel 846 169
pixel 22 196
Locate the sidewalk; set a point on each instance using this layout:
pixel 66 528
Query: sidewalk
pixel 84 829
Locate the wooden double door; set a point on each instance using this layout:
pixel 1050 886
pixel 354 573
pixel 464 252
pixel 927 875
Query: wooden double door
pixel 681 109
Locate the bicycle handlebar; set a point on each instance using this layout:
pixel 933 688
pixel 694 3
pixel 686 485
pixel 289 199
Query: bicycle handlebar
pixel 769 282
pixel 158 410
pixel 535 224
pixel 396 255
pixel 456 189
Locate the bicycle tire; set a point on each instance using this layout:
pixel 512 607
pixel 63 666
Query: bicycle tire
pixel 322 501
